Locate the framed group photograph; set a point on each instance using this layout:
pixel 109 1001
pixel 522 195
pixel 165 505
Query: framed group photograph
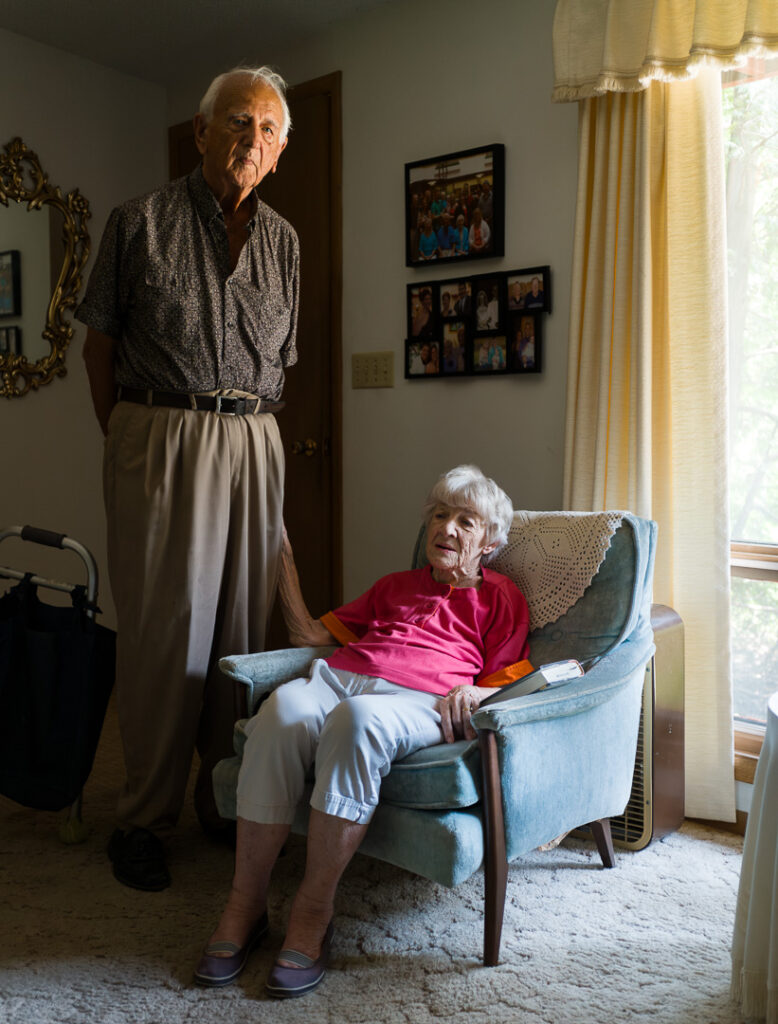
pixel 455 206
pixel 529 289
pixel 10 283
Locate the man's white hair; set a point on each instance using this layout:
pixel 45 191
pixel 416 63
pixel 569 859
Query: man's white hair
pixel 467 487
pixel 264 74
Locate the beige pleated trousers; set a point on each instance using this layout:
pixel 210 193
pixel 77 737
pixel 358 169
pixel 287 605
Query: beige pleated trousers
pixel 194 504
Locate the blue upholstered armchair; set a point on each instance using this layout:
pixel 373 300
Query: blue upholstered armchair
pixel 543 764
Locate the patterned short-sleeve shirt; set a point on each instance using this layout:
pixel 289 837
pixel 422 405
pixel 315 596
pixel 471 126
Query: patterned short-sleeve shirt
pixel 162 288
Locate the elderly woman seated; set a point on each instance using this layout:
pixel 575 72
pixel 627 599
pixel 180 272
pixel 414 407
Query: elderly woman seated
pixel 420 650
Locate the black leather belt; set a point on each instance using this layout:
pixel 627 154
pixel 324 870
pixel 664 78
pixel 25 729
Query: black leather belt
pixel 204 403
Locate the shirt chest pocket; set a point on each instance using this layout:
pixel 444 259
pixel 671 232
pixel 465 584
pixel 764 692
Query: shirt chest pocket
pixel 167 299
pixel 267 315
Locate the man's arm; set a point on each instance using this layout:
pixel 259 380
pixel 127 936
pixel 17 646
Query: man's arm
pixel 99 352
pixel 304 630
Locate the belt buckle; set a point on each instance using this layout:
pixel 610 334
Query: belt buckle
pixel 222 403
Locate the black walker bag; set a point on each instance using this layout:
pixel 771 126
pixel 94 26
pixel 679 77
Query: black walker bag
pixel 56 675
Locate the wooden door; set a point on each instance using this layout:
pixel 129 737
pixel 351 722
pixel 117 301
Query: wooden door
pixel 306 190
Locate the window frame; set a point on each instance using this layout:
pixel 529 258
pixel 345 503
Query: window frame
pixel 754 562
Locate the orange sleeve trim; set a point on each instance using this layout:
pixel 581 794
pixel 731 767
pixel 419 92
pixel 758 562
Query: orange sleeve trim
pixel 341 633
pixel 506 675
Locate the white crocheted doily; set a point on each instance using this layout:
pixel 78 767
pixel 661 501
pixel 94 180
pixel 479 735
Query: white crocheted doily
pixel 553 556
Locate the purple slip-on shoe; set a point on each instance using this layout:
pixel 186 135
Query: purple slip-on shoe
pixel 214 971
pixel 288 982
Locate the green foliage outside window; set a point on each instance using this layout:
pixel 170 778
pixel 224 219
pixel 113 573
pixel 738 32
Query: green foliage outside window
pixel 751 153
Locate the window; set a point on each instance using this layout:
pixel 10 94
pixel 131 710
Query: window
pixel 750 107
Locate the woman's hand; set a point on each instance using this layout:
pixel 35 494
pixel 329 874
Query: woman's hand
pixel 304 630
pixel 457 707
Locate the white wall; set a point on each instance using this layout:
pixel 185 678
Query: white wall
pixel 420 79
pixel 105 134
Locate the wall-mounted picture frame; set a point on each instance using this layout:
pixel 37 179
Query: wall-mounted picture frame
pixel 461 292
pixel 455 349
pixel 489 303
pixel 10 283
pixel 422 358
pixel 490 354
pixel 525 347
pixel 455 206
pixel 465 326
pixel 422 310
pixel 529 288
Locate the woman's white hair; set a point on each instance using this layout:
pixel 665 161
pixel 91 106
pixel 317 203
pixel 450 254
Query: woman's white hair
pixel 467 487
pixel 264 74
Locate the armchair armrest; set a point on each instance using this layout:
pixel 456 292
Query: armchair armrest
pixel 597 686
pixel 264 671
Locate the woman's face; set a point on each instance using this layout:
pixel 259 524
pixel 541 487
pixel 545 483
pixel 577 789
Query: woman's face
pixel 456 542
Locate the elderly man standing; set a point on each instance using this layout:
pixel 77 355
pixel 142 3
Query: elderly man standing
pixel 192 311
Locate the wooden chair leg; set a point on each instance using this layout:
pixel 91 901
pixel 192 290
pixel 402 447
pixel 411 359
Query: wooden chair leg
pixel 495 858
pixel 601 830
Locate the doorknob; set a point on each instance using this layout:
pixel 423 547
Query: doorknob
pixel 307 447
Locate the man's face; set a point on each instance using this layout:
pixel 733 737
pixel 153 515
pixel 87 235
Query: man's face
pixel 242 141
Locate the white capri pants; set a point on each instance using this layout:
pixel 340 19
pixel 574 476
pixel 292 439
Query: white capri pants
pixel 351 727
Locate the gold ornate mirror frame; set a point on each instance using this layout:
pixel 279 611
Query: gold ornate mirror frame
pixel 23 180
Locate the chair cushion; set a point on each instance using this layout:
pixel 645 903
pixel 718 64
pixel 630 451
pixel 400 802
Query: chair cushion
pixel 447 775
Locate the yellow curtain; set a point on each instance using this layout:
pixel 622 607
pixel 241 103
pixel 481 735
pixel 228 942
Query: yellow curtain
pixel 646 410
pixel 647 372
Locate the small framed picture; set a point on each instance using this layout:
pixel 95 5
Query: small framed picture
pixel 449 298
pixel 488 304
pixel 526 344
pixel 460 293
pixel 455 206
pixel 10 283
pixel 3 341
pixel 422 310
pixel 454 362
pixel 490 354
pixel 529 289
pixel 422 359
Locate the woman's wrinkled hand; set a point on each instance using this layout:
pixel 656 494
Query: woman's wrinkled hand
pixel 455 711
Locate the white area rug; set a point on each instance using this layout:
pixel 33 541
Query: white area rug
pixel 648 941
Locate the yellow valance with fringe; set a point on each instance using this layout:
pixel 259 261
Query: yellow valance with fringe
pixel 621 45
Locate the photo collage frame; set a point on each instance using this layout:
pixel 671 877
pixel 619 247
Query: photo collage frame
pixel 482 325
